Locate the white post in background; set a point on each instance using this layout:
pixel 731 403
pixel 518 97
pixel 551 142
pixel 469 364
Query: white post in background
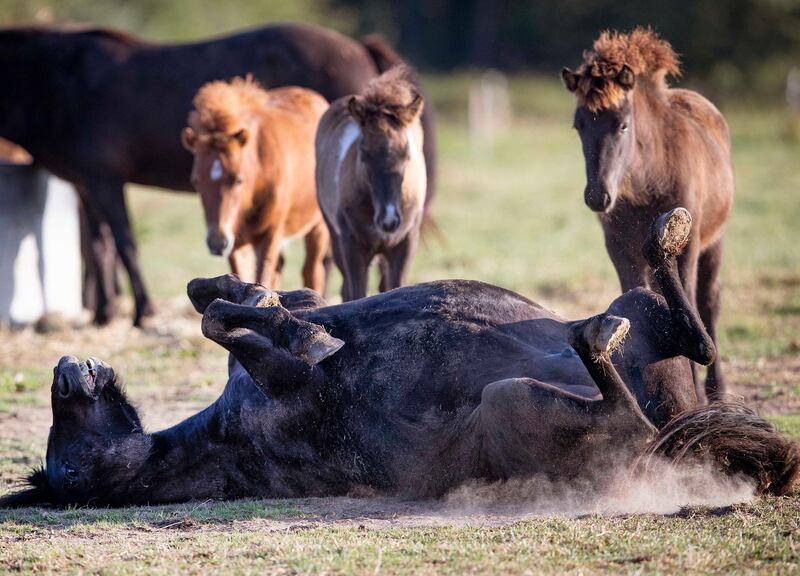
pixel 793 102
pixel 40 259
pixel 489 109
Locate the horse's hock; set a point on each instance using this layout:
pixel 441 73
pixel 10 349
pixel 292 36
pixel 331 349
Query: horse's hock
pixel 40 265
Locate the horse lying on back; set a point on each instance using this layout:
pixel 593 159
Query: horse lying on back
pixel 649 148
pixel 371 180
pixel 254 170
pixel 414 392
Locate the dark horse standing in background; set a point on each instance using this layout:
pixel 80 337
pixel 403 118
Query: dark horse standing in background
pixel 101 108
pixel 648 149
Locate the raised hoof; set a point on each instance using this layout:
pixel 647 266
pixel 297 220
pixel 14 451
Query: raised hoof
pixel 265 299
pixel 669 235
pixel 610 334
pixel 203 291
pixel 600 335
pixel 321 345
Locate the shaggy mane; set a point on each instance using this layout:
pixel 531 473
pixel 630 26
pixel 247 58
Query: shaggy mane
pixel 650 58
pixel 219 106
pixel 395 88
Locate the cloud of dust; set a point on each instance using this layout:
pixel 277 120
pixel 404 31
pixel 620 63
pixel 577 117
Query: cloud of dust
pixel 664 489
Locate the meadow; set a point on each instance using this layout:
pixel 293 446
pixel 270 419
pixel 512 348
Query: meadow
pixel 509 212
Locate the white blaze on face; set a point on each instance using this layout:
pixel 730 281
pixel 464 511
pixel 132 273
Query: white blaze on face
pixel 350 135
pixel 415 156
pixel 216 170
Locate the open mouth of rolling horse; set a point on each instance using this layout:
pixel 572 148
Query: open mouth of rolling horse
pixel 413 392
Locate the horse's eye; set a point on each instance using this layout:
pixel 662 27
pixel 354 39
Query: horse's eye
pixel 623 127
pixel 238 180
pixel 70 472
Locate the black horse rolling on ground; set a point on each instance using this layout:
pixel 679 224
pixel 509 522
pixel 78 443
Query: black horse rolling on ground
pixel 101 108
pixel 413 392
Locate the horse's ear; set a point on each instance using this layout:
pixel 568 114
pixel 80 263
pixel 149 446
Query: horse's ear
pixel 356 108
pixel 414 109
pixel 570 79
pixel 188 138
pixel 626 78
pixel 241 136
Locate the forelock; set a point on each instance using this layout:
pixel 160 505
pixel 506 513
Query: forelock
pixel 650 58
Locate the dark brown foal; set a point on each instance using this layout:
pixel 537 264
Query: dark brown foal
pixel 649 148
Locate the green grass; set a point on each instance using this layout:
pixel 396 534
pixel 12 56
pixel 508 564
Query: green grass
pixel 511 213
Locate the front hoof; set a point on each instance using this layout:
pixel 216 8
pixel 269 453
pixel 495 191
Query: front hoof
pixel 610 334
pixel 669 236
pixel 600 335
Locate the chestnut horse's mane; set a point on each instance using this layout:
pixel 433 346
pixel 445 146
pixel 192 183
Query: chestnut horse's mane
pixel 649 57
pixel 219 106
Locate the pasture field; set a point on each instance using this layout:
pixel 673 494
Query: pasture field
pixel 511 213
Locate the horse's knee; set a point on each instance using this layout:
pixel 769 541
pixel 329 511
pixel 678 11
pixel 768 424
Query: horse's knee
pixel 507 403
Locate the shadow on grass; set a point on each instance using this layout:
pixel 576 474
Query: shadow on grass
pixel 195 514
pixel 174 515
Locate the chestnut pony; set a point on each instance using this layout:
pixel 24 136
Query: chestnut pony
pixel 371 179
pixel 649 148
pixel 254 169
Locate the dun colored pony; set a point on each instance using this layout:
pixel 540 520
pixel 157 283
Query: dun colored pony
pixel 254 169
pixel 649 148
pixel 371 179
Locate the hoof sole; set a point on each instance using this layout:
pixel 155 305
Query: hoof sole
pixel 673 230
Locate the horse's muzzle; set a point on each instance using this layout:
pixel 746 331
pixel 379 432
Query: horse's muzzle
pixel 387 220
pixel 597 198
pixel 219 243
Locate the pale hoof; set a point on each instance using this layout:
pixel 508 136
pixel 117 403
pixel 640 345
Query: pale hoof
pixel 599 335
pixel 321 346
pixel 673 231
pixel 610 334
pixel 669 235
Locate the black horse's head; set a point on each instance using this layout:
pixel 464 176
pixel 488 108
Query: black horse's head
pixel 93 423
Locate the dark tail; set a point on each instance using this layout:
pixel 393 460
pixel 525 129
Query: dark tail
pixel 734 440
pixel 385 57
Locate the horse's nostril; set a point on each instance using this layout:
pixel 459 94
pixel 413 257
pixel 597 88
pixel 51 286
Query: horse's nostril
pixel 217 245
pixel 389 223
pixel 63 386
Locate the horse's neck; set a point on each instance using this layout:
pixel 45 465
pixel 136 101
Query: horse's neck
pixel 32 100
pixel 179 452
pixel 649 161
pixel 262 157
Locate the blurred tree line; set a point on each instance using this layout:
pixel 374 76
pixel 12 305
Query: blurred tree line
pixel 725 44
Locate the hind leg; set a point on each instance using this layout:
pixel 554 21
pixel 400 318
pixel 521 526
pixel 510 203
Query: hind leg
pixel 708 304
pixel 100 261
pixel 315 275
pixel 280 352
pixel 528 426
